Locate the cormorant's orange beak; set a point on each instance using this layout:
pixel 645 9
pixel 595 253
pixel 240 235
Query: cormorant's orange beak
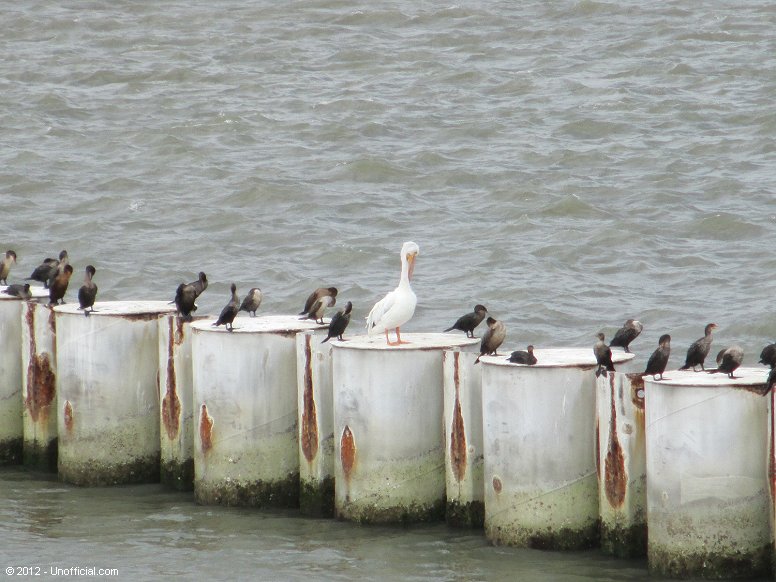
pixel 411 263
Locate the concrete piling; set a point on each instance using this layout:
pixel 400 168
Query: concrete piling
pixel 11 401
pixel 108 390
pixel 772 473
pixel 541 486
pixel 622 464
pixel 464 461
pixel 707 461
pixel 315 403
pixel 246 450
pixel 39 394
pixel 176 397
pixel 389 439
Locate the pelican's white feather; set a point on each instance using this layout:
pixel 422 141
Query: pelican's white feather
pixel 398 306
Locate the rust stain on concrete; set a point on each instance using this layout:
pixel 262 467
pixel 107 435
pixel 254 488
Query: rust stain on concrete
pixel 497 485
pixel 309 436
pixel 615 476
pixel 458 453
pixel 67 415
pixel 41 381
pixel 347 451
pixel 205 429
pixel 171 404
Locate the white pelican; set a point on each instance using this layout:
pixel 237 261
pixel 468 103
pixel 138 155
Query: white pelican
pixel 398 306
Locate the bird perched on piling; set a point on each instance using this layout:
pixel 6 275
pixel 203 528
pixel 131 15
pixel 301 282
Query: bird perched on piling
pixel 626 334
pixel 658 361
pixel 64 261
pixel 322 296
pixel 699 349
pixel 768 355
pixel 5 265
pixel 20 291
pixel 603 355
pixel 728 360
pixel 525 357
pixel 58 286
pixel 339 323
pixel 492 338
pixel 43 271
pixel 184 300
pixel 468 322
pixel 186 294
pixel 398 306
pixel 200 284
pixel 88 291
pixel 49 269
pixel 318 308
pixel 230 311
pixel 252 301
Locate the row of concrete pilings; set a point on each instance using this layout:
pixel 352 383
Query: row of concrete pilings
pixel 545 456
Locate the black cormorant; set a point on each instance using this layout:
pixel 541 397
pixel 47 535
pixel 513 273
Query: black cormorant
pixel 467 323
pixel 603 355
pixel 88 291
pixel 699 349
pixel 339 323
pixel 659 359
pixel 626 334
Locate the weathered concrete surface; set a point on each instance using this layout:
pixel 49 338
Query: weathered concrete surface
pixel 464 462
pixel 11 400
pixel 108 389
pixel 389 438
pixel 707 451
pixel 539 433
pixel 622 465
pixel 39 395
pixel 315 403
pixel 176 395
pixel 246 449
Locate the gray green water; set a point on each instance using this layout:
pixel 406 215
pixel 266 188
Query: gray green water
pixel 569 164
pixel 148 533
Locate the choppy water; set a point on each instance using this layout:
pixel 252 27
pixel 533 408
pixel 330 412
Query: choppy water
pixel 568 164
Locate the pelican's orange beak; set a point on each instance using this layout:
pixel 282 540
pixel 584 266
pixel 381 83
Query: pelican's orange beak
pixel 411 263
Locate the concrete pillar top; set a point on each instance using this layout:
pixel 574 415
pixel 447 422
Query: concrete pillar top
pixel 120 308
pixel 262 324
pixel 416 341
pixel 557 358
pixel 743 377
pixel 38 292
